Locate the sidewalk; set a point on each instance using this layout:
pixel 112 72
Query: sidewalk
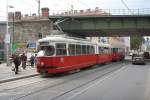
pixel 6 74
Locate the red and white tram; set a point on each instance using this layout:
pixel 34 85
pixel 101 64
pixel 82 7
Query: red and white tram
pixel 117 52
pixel 59 54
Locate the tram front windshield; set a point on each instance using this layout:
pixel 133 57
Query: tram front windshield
pixel 45 51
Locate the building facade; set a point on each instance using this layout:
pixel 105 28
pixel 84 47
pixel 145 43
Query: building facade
pixel 113 41
pixel 26 30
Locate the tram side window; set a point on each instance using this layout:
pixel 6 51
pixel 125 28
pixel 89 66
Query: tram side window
pixel 121 50
pixel 88 49
pixel 101 50
pixel 91 49
pixel 61 49
pixel 114 50
pixel 84 51
pixel 71 49
pixel 109 50
pixel 106 50
pixel 117 49
pixel 49 50
pixel 78 49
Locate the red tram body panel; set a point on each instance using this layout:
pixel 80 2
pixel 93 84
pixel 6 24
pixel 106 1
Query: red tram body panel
pixel 103 58
pixel 64 63
pixel 58 54
pixel 115 56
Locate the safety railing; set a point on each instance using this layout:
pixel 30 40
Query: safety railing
pixel 98 12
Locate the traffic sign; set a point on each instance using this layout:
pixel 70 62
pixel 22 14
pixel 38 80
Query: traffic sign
pixel 7 38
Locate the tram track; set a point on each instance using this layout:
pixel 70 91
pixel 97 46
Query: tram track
pixel 17 81
pixel 74 78
pixel 98 77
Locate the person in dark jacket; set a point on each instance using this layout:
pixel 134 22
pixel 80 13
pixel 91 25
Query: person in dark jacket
pixel 32 60
pixel 16 60
pixel 23 60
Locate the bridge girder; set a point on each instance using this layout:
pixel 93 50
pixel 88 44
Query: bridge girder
pixel 105 25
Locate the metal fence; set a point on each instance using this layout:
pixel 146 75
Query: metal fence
pixel 97 11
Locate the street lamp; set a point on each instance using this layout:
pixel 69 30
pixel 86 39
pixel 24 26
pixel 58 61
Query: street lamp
pixel 7 36
pixel 11 20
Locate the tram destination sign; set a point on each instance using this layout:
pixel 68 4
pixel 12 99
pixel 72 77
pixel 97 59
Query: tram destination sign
pixel 44 43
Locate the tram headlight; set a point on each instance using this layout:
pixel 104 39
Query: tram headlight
pixel 42 63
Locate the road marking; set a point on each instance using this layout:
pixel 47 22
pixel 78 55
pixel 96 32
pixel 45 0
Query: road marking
pixel 96 83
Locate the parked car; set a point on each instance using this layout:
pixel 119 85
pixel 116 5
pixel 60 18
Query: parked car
pixel 146 55
pixel 130 53
pixel 138 59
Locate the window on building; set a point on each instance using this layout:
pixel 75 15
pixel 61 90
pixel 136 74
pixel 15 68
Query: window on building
pixel 40 35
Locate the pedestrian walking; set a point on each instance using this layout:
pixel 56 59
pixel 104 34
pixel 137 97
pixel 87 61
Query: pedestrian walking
pixel 23 60
pixel 16 60
pixel 32 59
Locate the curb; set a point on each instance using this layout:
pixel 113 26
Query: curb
pixel 17 78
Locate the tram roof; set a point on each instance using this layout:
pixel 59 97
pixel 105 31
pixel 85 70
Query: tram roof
pixel 62 38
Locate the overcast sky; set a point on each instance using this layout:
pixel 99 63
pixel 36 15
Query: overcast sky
pixel 31 6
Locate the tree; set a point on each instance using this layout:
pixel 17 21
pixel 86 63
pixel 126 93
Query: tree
pixel 136 42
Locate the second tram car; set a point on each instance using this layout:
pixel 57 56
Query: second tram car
pixel 59 54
